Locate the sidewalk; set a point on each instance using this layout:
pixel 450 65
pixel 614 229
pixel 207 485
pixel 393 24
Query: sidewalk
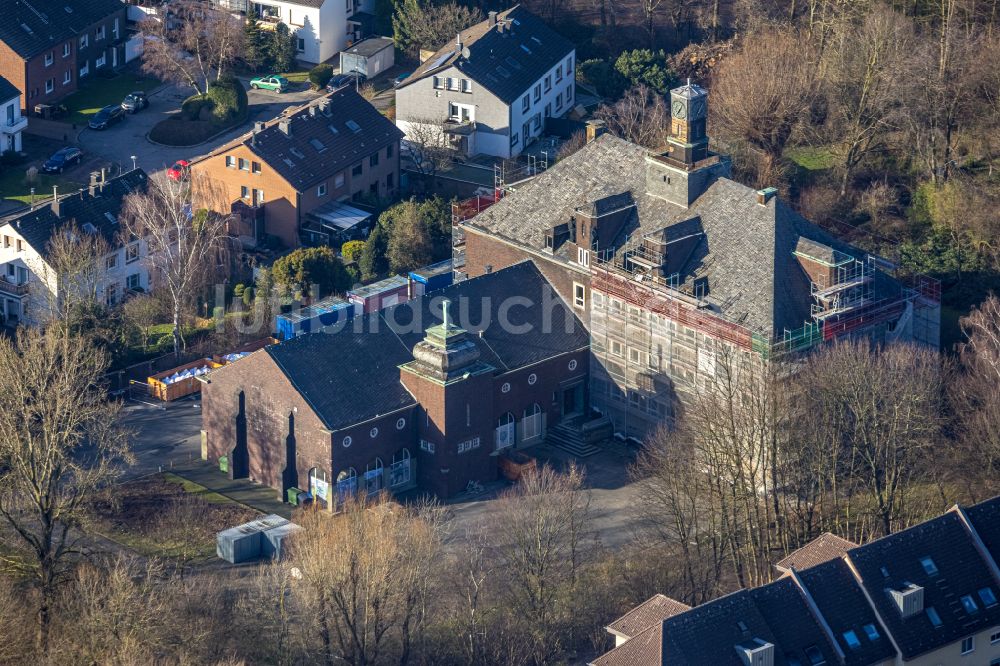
pixel 244 491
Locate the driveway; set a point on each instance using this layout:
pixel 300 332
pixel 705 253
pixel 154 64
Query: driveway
pixel 163 435
pixel 118 143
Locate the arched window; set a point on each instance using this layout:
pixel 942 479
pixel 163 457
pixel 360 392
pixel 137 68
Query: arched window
pixel 506 431
pixel 318 486
pixel 373 477
pixel 399 473
pixel 533 421
pixel 347 483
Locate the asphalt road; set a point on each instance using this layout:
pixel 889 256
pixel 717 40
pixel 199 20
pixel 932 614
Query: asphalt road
pixel 163 435
pixel 118 143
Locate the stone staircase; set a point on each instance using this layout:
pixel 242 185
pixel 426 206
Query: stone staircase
pixel 567 436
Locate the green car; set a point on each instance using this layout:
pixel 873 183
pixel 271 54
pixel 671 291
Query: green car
pixel 273 82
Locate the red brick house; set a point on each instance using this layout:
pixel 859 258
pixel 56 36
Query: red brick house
pixel 46 46
pixel 404 397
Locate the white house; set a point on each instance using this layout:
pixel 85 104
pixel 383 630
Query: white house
pixel 322 28
pixel 12 123
pixel 27 280
pixel 491 90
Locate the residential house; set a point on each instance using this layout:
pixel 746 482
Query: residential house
pixel 418 394
pixel 676 268
pixel 924 596
pixel 492 89
pixel 303 173
pixel 28 282
pixel 322 28
pixel 12 121
pixel 46 46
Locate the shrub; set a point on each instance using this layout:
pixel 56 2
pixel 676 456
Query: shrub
pixel 351 250
pixel 604 78
pixel 320 75
pixel 229 98
pixel 191 107
pixel 10 158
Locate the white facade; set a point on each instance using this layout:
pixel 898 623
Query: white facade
pixel 12 123
pixel 28 284
pixel 320 32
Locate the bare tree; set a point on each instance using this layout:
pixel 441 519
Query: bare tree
pixel 184 248
pixel 193 43
pixel 74 275
pixel 640 116
pixel 426 145
pixel 59 443
pixel 419 24
pixel 143 312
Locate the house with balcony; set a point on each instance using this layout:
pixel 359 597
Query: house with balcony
pixel 322 28
pixel 12 122
pixel 46 47
pixel 490 91
pixel 28 282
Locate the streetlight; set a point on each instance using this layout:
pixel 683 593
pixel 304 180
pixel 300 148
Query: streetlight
pixel 133 162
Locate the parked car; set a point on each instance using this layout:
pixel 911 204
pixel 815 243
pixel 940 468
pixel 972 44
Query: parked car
pixel 396 82
pixel 181 170
pixel 63 159
pixel 135 101
pixel 341 80
pixel 272 82
pixel 107 117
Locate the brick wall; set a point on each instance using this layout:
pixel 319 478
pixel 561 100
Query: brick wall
pixel 12 68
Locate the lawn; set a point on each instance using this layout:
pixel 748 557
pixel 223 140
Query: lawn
pixel 14 185
pixel 812 159
pixel 301 76
pixel 98 93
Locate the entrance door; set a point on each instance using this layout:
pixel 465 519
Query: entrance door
pixel 572 402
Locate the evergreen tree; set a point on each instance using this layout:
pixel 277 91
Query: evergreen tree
pixel 373 261
pixel 282 49
pixel 255 51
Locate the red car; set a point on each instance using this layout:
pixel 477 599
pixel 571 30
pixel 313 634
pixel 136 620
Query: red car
pixel 181 170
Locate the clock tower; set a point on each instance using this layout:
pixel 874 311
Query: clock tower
pixel 688 116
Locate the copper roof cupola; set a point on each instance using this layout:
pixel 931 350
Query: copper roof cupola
pixel 446 352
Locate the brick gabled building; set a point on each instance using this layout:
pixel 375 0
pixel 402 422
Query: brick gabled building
pixel 404 397
pixel 300 172
pixel 674 267
pixel 927 595
pixel 47 46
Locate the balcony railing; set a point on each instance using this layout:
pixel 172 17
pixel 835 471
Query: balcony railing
pixel 14 125
pixel 12 289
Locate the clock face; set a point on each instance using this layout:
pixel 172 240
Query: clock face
pixel 698 108
pixel 678 109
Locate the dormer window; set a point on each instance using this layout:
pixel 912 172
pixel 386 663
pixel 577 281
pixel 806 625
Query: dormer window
pixel 929 567
pixel 933 616
pixel 871 632
pixel 851 639
pixel 969 604
pixel 987 597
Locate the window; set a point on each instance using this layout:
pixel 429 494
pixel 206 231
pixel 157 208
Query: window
pixel 99 33
pixel 506 431
pixel 388 151
pixel 426 446
pixel 111 294
pixel 20 245
pixel 84 41
pixel 558 73
pixel 634 355
pixel 356 170
pixel 617 349
pixel 460 112
pixel 582 256
pixel 928 564
pixel 969 645
pixel 112 261
pixel 548 83
pixel 255 167
pixel 321 190
pixel 533 421
pixel 66 50
pixel 452 83
pixel 101 59
pixel 389 182
pixel 851 639
pixel 468 445
pixel 579 295
pixel 995 638
pixel 85 70
pixel 50 85
pixel 969 604
pixel 67 77
pixel 131 253
pixel 230 162
pixel 244 192
pixel 300 45
pixel 373 160
pixel 569 65
pixel 48 59
pixel 815 656
pixel 115 29
pixel 538 92
pixel 525 104
pixel 466 86
pixel 987 597
pixel 133 282
pixel 559 101
pixel 569 94
pixel 513 140
pixel 373 188
pixel 871 632
pixel 373 477
pixel 933 616
pixel 438 82
pixel 244 164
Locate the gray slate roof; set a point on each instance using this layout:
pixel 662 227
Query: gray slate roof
pixel 369 46
pixel 29 27
pixel 506 63
pixel 746 252
pixel 8 90
pixel 321 144
pixel 100 210
pixel 351 374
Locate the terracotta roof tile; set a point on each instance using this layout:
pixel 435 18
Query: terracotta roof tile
pixel 825 547
pixel 649 613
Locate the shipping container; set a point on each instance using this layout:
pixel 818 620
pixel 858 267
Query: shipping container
pixel 327 312
pixel 274 544
pixel 381 294
pixel 432 278
pixel 180 381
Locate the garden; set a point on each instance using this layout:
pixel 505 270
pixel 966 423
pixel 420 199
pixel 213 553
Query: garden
pixel 201 117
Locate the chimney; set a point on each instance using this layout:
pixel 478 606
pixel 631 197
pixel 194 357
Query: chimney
pixel 258 126
pixel 93 183
pixel 595 128
pixel 55 200
pixel 103 174
pixel 458 43
pixel 312 110
pixel 285 125
pixel 492 19
pixel 765 195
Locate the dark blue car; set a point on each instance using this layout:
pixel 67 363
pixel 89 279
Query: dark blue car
pixel 107 117
pixel 63 159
